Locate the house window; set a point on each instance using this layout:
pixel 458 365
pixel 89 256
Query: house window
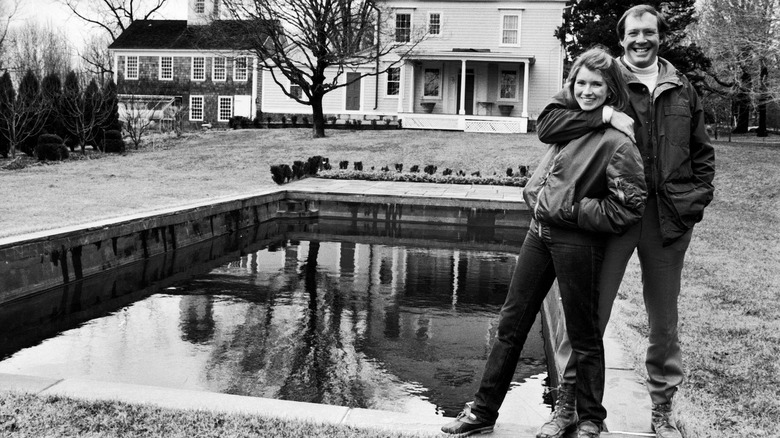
pixel 131 67
pixel 510 29
pixel 198 68
pixel 434 23
pixel 508 81
pixel 200 6
pixel 225 108
pixel 196 108
pixel 394 81
pixel 166 68
pixel 403 28
pixel 432 83
pixel 240 68
pixel 220 69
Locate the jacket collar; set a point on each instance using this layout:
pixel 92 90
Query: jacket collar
pixel 667 74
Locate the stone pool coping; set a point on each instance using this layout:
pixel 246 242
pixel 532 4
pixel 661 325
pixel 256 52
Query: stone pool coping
pixel 626 398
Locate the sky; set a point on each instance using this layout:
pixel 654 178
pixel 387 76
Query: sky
pixel 51 11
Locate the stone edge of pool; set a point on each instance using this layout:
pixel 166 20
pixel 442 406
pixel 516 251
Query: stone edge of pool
pixel 626 398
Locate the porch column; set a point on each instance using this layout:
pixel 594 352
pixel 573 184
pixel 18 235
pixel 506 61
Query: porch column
pixel 526 78
pixel 255 72
pixel 411 90
pixel 402 92
pixel 462 109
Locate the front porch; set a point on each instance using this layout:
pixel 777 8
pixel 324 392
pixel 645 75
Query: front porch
pixel 466 123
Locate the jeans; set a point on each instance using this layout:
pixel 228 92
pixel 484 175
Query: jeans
pixel 575 257
pixel 661 272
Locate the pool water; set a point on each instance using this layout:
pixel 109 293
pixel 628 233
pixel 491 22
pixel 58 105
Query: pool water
pixel 362 325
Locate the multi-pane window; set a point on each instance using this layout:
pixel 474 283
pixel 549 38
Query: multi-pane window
pixel 198 68
pixel 131 67
pixel 432 82
pixel 434 23
pixel 166 68
pixel 296 91
pixel 220 69
pixel 200 6
pixel 196 108
pixel 225 109
pixel 403 27
pixel 510 29
pixel 508 82
pixel 394 81
pixel 241 68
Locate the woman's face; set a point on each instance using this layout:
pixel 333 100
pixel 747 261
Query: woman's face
pixel 590 90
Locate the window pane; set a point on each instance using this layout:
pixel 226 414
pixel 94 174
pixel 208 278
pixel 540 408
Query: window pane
pixel 434 26
pixel 510 30
pixel 166 67
pixel 431 82
pixel 403 28
pixel 196 107
pixel 219 69
pixel 132 67
pixel 240 69
pixel 393 81
pixel 199 68
pixel 225 108
pixel 508 84
pixel 200 6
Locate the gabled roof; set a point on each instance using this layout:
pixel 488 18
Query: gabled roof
pixel 178 35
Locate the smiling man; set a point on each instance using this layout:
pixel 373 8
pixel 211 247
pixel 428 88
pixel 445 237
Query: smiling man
pixel 666 119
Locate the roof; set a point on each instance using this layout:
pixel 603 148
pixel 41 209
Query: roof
pixel 178 35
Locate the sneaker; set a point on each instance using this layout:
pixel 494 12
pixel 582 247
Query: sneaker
pixel 564 417
pixel 467 424
pixel 588 429
pixel 662 422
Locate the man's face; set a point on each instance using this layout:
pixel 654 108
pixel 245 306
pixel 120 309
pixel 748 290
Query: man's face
pixel 641 40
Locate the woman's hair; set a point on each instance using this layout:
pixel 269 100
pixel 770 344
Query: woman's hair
pixel 599 60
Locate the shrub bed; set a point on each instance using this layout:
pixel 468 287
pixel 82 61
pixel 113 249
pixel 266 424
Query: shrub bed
pixel 371 175
pixel 51 147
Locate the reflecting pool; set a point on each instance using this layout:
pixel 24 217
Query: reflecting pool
pixel 337 322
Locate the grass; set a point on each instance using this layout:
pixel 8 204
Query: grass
pixel 729 307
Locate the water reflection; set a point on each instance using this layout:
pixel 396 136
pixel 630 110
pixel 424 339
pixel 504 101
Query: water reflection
pixel 345 323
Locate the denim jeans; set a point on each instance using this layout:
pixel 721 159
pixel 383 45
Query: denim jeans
pixel 661 272
pixel 575 257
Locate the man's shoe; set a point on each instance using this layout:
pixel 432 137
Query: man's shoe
pixel 662 422
pixel 588 429
pixel 468 424
pixel 564 417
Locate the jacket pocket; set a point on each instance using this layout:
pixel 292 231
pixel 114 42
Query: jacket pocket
pixel 677 125
pixel 688 200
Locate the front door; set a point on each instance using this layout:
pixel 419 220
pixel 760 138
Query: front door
pixel 469 93
pixel 353 92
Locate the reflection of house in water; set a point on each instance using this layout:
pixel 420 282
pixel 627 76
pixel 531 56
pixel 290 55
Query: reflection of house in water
pixel 378 326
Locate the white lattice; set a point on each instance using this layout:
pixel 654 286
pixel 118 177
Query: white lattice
pixel 423 122
pixel 502 127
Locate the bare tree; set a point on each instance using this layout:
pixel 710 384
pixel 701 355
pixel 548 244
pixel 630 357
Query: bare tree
pixel 313 43
pixel 742 38
pixel 95 56
pixel 21 116
pixel 137 116
pixel 40 48
pixel 113 16
pixel 83 113
pixel 8 10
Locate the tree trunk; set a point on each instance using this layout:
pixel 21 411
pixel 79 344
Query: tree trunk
pixel 318 118
pixel 762 101
pixel 742 114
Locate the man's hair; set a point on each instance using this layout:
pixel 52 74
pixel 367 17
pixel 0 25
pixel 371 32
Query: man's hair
pixel 638 11
pixel 599 60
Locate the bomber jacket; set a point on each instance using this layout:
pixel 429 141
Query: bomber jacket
pixel 669 126
pixel 594 183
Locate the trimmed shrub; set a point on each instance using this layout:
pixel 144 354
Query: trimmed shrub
pixel 50 147
pixel 239 122
pixel 430 169
pixel 298 169
pixel 113 142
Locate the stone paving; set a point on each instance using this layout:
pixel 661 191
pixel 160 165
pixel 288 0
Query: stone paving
pixel 626 399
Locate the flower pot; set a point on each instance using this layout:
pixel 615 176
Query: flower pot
pixel 428 106
pixel 506 110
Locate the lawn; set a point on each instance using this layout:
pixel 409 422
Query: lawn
pixel 729 308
